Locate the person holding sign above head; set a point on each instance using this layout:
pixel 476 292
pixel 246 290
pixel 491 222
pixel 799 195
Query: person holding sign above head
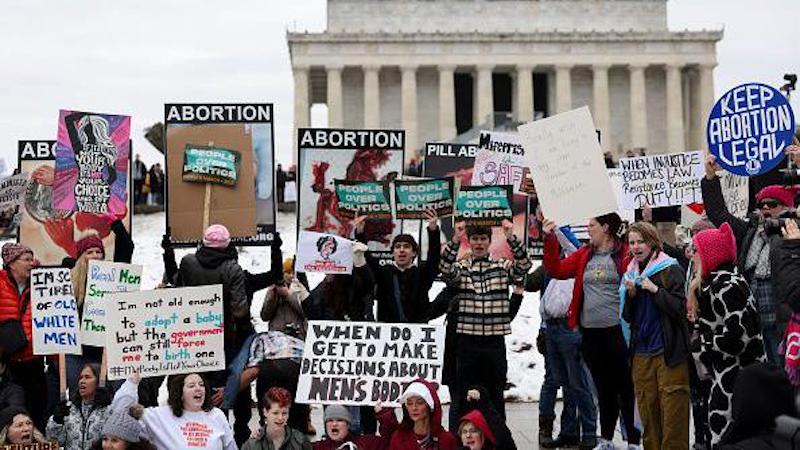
pixel 597 269
pixel 277 434
pixel 421 427
pixel 188 421
pixel 79 425
pixel 484 308
pixel 402 287
pixel 16 427
pixel 758 247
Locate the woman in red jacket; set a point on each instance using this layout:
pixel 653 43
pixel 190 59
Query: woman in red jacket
pixel 597 269
pixel 26 369
pixel 421 428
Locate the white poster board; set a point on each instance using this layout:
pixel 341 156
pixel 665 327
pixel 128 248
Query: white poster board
pixel 736 192
pixel 661 180
pixel 567 167
pixel 500 160
pixel 104 278
pixel 324 253
pixel 165 332
pixel 615 175
pixel 54 313
pixel 363 363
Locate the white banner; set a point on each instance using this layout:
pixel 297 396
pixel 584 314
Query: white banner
pixel 567 166
pixel 363 363
pixel 54 313
pixel 165 331
pixel 661 180
pixel 324 253
pixel 104 278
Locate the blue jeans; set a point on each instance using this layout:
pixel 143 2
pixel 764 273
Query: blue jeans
pixel 547 396
pixel 564 350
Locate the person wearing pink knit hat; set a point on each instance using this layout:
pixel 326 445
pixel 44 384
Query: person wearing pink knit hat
pixel 757 250
pixel 728 330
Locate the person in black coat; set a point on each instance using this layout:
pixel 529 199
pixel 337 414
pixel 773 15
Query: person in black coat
pixel 787 266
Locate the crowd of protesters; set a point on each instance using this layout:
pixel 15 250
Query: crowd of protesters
pixel 630 323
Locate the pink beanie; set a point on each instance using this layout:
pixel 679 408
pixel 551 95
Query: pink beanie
pixel 776 192
pixel 216 236
pixel 715 247
pixel 11 251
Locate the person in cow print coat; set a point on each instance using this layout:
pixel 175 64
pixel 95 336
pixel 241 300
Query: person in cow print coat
pixel 729 329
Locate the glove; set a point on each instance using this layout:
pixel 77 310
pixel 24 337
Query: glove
pixel 277 242
pixel 541 342
pixel 358 254
pixel 61 411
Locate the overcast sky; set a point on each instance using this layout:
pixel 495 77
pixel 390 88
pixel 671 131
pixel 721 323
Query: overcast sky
pixel 131 57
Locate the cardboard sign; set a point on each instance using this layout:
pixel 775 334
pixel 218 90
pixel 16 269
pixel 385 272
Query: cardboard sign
pixel 92 156
pixel 661 180
pixel 736 192
pixel 749 127
pixel 50 233
pixel 211 165
pixel 363 198
pixel 363 363
pixel 484 205
pixel 500 160
pixel 54 313
pixel 165 332
pixel 248 208
pixel 323 253
pixel 102 279
pixel 12 199
pixel 413 197
pixel 567 166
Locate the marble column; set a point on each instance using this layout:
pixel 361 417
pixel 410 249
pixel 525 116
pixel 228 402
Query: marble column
pixel 372 94
pixel 301 103
pixel 563 88
pixel 485 101
pixel 447 103
pixel 601 110
pixel 675 142
pixel 408 92
pixel 705 94
pixel 525 93
pixel 638 108
pixel 334 100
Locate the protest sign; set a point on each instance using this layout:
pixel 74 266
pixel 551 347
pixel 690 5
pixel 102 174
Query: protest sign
pixel 50 233
pixel 363 198
pixel 211 165
pixel 247 208
pixel 500 160
pixel 484 205
pixel 54 313
pixel 615 176
pixel 12 199
pixel 736 192
pixel 35 446
pixel 568 167
pixel 326 155
pixel 165 332
pixel 749 127
pixel 290 192
pixel 323 253
pixel 102 279
pixel 413 197
pixel 92 154
pixel 661 180
pixel 457 160
pixel 363 363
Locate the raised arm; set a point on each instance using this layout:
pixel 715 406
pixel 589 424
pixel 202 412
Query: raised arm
pixel 562 269
pixel 714 201
pixel 522 264
pixel 447 265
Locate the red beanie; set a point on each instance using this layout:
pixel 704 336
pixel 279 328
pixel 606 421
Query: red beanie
pixel 715 247
pixel 476 418
pixel 776 192
pixel 85 243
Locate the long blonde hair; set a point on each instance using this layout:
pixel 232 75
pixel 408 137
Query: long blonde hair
pixel 694 287
pixel 79 272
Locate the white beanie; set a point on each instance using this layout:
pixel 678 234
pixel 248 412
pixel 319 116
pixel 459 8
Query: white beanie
pixel 419 390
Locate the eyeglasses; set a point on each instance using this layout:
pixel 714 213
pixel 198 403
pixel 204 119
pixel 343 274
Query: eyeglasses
pixel 768 204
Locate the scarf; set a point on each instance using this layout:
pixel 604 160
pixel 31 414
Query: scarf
pixel 790 348
pixel 758 256
pixel 654 266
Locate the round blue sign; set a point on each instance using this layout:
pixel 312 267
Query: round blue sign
pixel 748 129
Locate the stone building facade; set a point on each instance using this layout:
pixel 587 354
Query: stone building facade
pixel 438 68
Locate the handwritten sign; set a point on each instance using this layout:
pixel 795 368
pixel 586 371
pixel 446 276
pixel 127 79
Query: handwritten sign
pixel 12 198
pixel 484 205
pixel 500 160
pixel 363 198
pixel 749 127
pixel 54 313
pixel 102 279
pixel 211 165
pixel 165 331
pixel 661 180
pixel 413 197
pixel 567 166
pixel 363 363
pixel 736 192
pixel 323 253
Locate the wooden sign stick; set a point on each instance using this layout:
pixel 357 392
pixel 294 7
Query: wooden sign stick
pixel 207 201
pixel 62 376
pixel 103 369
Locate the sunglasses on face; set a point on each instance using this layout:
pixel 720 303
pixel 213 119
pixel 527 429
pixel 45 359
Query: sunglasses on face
pixel 768 204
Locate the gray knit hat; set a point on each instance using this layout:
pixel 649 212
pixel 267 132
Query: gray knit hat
pixel 337 412
pixel 122 425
